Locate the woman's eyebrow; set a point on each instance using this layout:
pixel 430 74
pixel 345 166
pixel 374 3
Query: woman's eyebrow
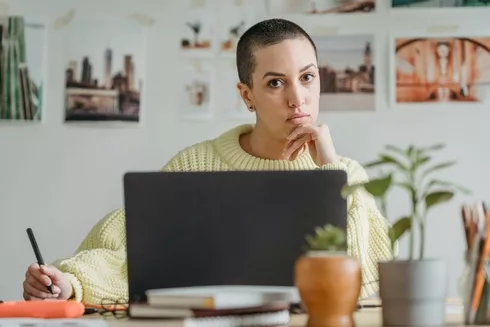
pixel 306 67
pixel 282 75
pixel 273 74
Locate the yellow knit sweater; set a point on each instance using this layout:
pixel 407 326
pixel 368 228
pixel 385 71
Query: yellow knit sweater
pixel 98 270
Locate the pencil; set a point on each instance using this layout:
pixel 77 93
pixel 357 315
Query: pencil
pixel 480 277
pixel 37 253
pixel 466 215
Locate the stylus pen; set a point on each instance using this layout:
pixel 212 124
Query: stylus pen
pixel 89 311
pixel 366 306
pixel 39 257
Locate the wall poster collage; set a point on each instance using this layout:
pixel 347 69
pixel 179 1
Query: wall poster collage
pixel 104 75
pixel 424 68
pixel 103 70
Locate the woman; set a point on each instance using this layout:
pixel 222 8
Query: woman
pixel 279 82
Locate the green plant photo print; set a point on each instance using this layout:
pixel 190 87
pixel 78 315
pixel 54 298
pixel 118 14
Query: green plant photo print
pixel 21 86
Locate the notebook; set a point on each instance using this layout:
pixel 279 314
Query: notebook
pixel 268 315
pixel 142 310
pixel 221 296
pixel 279 318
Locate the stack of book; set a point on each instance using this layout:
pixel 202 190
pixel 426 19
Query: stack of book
pixel 233 306
pixel 476 222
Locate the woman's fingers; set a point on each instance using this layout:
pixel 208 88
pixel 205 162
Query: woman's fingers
pixel 295 154
pixel 303 129
pixel 34 289
pixel 34 271
pixel 35 285
pixel 295 146
pixel 29 297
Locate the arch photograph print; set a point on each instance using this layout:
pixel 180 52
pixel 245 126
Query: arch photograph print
pixel 442 69
pixel 440 3
pixel 320 7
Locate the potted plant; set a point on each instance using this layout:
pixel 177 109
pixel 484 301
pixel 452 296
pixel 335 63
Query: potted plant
pixel 328 279
pixel 413 291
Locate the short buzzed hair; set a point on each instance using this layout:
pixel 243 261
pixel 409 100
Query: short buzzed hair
pixel 265 33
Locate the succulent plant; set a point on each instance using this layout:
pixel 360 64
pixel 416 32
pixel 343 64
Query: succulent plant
pixel 327 238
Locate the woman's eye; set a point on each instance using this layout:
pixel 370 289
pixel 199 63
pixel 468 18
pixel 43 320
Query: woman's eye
pixel 308 77
pixel 274 83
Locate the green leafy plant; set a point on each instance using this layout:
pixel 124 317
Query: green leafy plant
pixel 410 169
pixel 327 238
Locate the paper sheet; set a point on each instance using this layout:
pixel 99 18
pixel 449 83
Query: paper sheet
pixel 30 322
pixel 454 309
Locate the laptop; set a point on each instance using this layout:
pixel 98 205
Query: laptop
pixel 239 228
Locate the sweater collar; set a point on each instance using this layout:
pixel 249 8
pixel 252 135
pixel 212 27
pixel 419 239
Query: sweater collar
pixel 228 147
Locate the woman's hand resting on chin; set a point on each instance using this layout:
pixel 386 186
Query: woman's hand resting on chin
pixel 318 140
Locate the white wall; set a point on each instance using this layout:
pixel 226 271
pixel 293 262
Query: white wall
pixel 60 179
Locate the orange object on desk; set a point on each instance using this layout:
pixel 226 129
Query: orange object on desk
pixel 41 309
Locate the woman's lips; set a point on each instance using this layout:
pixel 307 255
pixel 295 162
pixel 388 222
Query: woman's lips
pixel 299 118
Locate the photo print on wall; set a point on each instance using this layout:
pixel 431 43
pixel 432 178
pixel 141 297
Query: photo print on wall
pixel 347 72
pixel 441 69
pixel 104 68
pixel 320 7
pixel 22 55
pixel 235 17
pixel 197 30
pixel 197 92
pixel 439 3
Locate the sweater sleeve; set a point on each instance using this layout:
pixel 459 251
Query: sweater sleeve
pixel 98 269
pixel 367 229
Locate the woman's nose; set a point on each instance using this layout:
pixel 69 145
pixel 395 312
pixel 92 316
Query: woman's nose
pixel 295 98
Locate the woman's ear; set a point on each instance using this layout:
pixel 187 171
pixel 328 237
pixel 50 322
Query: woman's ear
pixel 246 95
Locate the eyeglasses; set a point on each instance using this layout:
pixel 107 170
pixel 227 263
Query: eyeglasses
pixel 108 307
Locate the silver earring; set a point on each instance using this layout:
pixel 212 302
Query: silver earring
pixel 251 108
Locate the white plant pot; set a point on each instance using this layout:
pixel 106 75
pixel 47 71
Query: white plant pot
pixel 413 293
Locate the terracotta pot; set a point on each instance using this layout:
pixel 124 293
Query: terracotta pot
pixel 329 285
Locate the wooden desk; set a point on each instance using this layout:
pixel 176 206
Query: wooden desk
pixel 363 318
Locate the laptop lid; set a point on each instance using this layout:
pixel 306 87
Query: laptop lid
pixel 224 228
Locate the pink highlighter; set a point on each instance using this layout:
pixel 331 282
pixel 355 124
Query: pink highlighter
pixel 41 309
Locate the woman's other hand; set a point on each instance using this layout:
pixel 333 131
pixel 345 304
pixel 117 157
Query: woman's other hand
pixel 318 140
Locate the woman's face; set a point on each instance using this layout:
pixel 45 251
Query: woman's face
pixel 286 86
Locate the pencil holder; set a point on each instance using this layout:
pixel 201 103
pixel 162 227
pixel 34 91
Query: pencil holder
pixel 463 281
pixel 466 283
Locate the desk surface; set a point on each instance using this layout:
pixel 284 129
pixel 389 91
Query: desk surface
pixel 363 318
